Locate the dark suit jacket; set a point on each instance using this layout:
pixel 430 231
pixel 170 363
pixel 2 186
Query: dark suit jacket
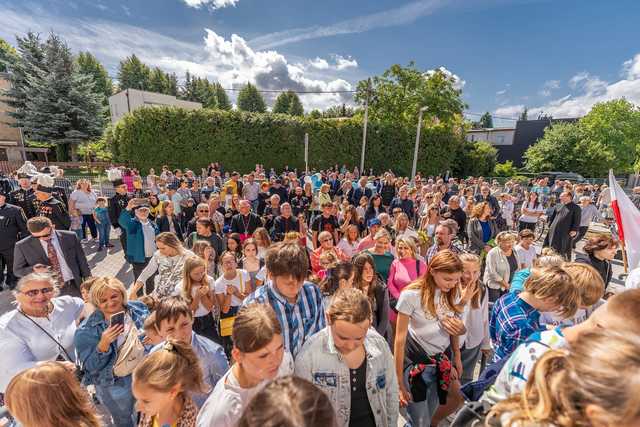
pixel 29 252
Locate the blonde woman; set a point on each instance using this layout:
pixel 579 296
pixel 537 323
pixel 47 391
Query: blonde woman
pixel 406 268
pixel 33 398
pixel 197 288
pixel 168 263
pixel 502 262
pixel 593 384
pixel 84 200
pixel 353 358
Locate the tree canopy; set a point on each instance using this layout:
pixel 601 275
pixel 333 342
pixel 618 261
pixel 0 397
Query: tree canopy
pixel 288 103
pixel 249 99
pixel 8 55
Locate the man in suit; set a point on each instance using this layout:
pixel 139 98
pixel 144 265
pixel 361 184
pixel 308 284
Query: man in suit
pixel 57 251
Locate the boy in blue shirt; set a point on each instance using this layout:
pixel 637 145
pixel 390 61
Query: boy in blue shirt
pixel 101 216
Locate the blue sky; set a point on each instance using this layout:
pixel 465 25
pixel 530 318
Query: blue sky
pixel 557 57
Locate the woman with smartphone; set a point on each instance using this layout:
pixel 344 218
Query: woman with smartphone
pixel 108 347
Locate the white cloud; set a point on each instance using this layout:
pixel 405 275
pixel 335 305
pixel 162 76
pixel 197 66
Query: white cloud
pixel 589 90
pixel 212 4
pixel 126 10
pixel 230 61
pixel 511 111
pixel 102 7
pixel 458 82
pixel 501 92
pixel 340 63
pixel 548 87
pixel 388 18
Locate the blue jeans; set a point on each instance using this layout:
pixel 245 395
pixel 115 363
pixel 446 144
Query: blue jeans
pixel 422 412
pixel 118 399
pixel 104 228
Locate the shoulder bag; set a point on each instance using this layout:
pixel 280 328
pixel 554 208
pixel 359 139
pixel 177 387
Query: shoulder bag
pixel 130 353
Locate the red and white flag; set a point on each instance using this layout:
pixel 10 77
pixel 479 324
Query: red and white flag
pixel 628 219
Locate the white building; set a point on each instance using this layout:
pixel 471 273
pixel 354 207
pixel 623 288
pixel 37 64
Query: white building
pixel 495 136
pixel 131 99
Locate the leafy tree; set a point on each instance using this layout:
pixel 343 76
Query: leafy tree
pixel 315 114
pixel 486 121
pixel 8 56
pixel 249 99
pixel 133 74
pixel 172 84
pixel 288 103
pixel 400 92
pixel 102 84
pixel 336 111
pixel 524 115
pixel 158 81
pixel 60 105
pixel 475 159
pixel 505 169
pixel 221 96
pixel 556 149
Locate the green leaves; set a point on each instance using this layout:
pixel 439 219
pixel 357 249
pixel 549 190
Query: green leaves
pixel 288 103
pixel 249 99
pixel 150 137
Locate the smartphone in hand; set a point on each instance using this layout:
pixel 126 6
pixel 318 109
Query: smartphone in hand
pixel 117 319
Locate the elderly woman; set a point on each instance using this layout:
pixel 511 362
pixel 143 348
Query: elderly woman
pixel 109 347
pixel 501 264
pixel 600 250
pixel 84 200
pixel 481 228
pixel 168 262
pixel 326 245
pixel 40 329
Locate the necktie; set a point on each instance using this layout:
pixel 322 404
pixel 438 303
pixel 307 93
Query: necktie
pixel 55 263
pixel 295 332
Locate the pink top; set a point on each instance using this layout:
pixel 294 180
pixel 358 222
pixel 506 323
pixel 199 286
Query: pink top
pixel 128 181
pixel 401 273
pixel 366 243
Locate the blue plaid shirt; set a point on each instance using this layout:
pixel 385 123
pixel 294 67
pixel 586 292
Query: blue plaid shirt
pixel 299 321
pixel 512 322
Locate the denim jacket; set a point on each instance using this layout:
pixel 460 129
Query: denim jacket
pixel 98 367
pixel 321 363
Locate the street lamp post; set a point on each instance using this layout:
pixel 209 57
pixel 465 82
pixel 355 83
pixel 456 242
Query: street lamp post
pixel 365 124
pixel 415 150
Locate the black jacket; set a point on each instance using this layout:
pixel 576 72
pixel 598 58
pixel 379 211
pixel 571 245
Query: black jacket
pixel 163 226
pixel 29 252
pixel 603 266
pixel 25 199
pixel 117 204
pixel 238 223
pixel 13 225
pixel 55 210
pixel 388 193
pixel 282 226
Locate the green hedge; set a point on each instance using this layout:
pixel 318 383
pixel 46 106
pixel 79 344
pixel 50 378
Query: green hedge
pixel 151 137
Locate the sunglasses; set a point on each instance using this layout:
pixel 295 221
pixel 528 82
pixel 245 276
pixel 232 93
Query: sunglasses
pixel 203 210
pixel 35 292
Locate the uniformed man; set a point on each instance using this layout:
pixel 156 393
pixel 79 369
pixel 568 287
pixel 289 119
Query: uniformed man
pixel 49 206
pixel 24 197
pixel 13 227
pixel 117 203
pixel 58 192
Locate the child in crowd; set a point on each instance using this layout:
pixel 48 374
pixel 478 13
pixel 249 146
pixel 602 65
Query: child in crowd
pixel 76 223
pixel 85 291
pixel 525 249
pixel 548 258
pixel 174 321
pixel 515 316
pixel 338 277
pixel 101 217
pixel 328 260
pixel 306 406
pixel 231 288
pixel 259 356
pixel 620 313
pixel 197 288
pixel 506 209
pixel 352 364
pixel 163 383
pixel 204 250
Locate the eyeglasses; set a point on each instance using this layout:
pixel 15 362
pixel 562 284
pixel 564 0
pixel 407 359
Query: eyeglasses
pixel 35 292
pixel 203 210
pixel 326 240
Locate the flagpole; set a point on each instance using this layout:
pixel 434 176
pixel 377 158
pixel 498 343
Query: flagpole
pixel 625 262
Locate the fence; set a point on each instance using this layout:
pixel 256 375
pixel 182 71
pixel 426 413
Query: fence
pixel 8 167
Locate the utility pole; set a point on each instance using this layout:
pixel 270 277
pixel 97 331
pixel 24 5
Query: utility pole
pixel 366 122
pixel 415 150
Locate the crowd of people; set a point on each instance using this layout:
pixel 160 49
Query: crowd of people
pixel 331 298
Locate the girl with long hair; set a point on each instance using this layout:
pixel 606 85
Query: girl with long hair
pixel 251 263
pixel 366 280
pixel 197 288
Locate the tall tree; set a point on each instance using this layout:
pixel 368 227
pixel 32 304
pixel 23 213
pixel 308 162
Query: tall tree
pixel 133 74
pixel 486 121
pixel 288 103
pixel 400 92
pixel 249 99
pixel 524 115
pixel 172 84
pixel 60 104
pixel 102 83
pixel 8 55
pixel 295 107
pixel 221 96
pixel 158 81
pixel 336 111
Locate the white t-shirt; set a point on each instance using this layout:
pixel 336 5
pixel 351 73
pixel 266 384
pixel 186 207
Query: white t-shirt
pixel 201 310
pixel 423 327
pixel 84 202
pixel 227 401
pixel 525 256
pixel 241 282
pixel 529 218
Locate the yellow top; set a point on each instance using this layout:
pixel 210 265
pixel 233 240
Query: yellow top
pixel 155 424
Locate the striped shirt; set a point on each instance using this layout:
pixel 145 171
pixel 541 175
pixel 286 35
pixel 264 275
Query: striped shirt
pixel 299 321
pixel 512 322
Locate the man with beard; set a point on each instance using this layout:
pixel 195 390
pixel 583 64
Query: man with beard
pixel 443 239
pixel 564 224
